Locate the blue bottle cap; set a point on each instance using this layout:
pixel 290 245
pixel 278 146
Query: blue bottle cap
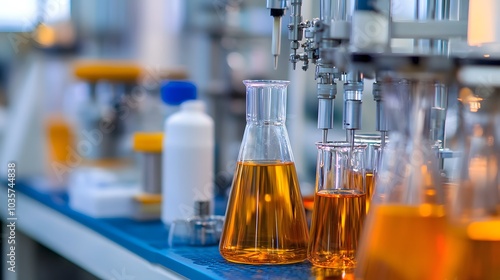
pixel 176 92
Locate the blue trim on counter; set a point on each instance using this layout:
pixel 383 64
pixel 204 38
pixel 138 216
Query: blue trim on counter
pixel 148 239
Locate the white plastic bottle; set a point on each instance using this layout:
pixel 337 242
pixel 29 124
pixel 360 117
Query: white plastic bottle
pixel 188 161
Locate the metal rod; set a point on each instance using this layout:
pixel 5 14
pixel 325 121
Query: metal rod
pixel 383 134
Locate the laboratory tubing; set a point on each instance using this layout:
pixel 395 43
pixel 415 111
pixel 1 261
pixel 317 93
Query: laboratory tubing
pixel 339 205
pixel 188 158
pixel 265 219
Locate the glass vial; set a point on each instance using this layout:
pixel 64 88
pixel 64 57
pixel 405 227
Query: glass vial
pixel 339 205
pixel 265 219
pixel 371 160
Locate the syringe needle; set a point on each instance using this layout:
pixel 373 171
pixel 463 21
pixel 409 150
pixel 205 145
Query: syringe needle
pixel 325 135
pixel 276 40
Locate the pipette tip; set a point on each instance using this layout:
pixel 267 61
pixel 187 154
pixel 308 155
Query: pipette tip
pixel 325 135
pixel 275 62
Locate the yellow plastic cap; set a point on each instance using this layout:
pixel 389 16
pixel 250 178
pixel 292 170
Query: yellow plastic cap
pixel 114 71
pixel 151 142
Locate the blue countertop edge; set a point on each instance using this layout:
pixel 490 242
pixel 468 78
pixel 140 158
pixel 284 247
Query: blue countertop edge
pixel 148 240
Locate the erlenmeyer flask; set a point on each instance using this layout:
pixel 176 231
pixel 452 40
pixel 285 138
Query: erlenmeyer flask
pixel 265 218
pixel 475 212
pixel 404 234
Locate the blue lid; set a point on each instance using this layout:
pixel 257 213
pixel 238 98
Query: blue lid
pixel 176 92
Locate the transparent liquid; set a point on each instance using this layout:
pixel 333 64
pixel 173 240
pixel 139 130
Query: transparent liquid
pixel 403 242
pixel 336 227
pixel 481 256
pixel 265 219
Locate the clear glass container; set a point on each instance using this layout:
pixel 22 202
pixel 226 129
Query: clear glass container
pixel 475 211
pixel 339 205
pixel 404 235
pixel 265 218
pixel 372 157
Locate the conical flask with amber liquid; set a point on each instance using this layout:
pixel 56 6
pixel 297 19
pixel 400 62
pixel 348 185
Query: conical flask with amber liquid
pixel 475 209
pixel 404 235
pixel 265 218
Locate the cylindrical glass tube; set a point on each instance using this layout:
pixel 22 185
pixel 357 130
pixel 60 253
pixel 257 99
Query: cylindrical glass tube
pixel 371 158
pixel 265 218
pixel 339 205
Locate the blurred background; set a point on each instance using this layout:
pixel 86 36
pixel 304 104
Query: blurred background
pixel 215 43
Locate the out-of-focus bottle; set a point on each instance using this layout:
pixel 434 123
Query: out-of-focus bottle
pixel 405 232
pixel 339 205
pixel 475 211
pixel 188 156
pixel 60 140
pixel 153 111
pixel 265 219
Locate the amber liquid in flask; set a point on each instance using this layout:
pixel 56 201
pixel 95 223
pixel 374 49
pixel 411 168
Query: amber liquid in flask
pixel 480 238
pixel 339 206
pixel 265 218
pixel 390 250
pixel 475 209
pixel 266 196
pixel 336 227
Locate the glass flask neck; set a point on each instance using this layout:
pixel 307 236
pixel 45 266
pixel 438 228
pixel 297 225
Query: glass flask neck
pixel 266 102
pixel 479 174
pixel 411 105
pixel 410 171
pixel 266 137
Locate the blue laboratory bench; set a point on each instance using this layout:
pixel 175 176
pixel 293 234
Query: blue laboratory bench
pixel 114 248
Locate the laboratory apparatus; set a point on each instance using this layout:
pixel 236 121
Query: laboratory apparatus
pixel 107 118
pixel 371 160
pixel 202 229
pixel 339 205
pixel 352 39
pixel 103 177
pixel 277 9
pixel 407 44
pixel 148 199
pixel 188 154
pixel 265 219
pixel 475 211
pixel 405 231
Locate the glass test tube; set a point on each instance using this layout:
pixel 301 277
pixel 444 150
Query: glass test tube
pixel 371 158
